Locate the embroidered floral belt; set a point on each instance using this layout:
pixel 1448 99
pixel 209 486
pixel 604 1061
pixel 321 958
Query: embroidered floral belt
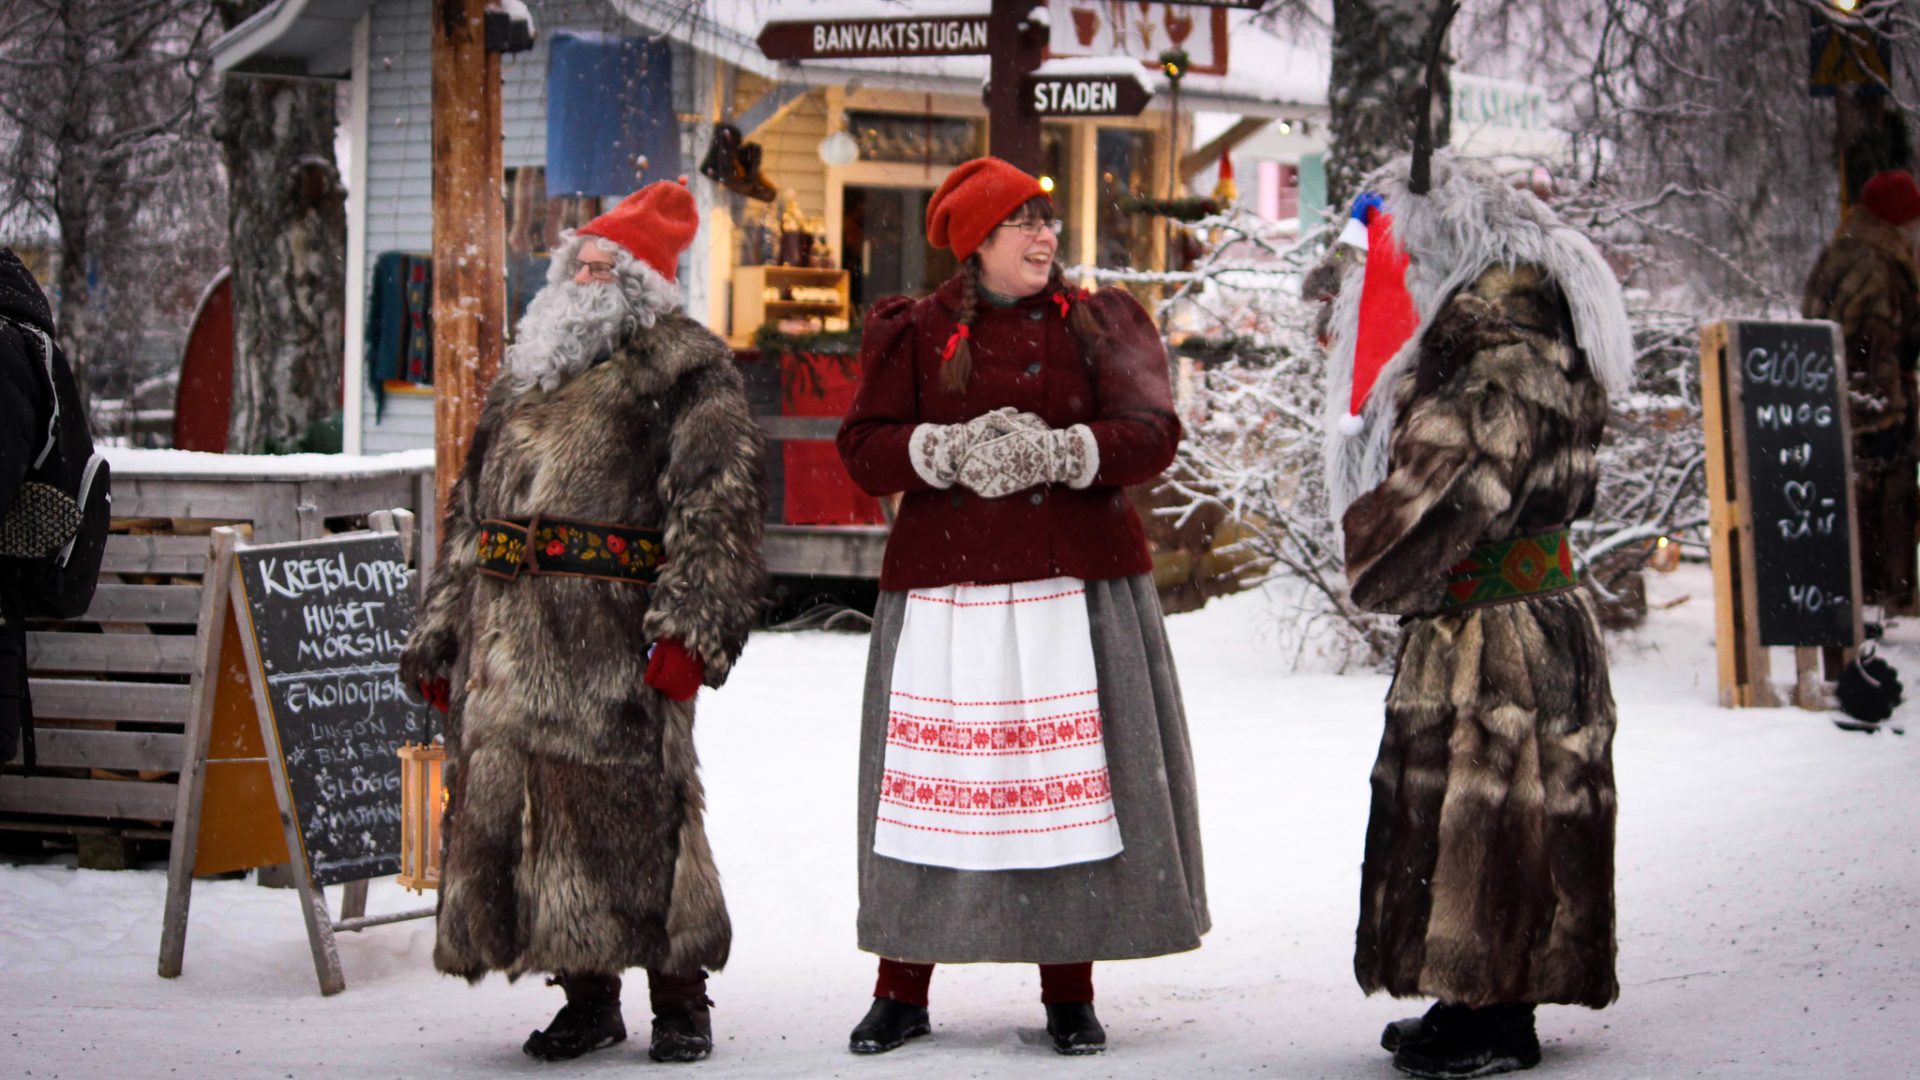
pixel 509 547
pixel 1499 571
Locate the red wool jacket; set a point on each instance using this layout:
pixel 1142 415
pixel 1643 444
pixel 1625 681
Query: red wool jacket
pixel 1023 356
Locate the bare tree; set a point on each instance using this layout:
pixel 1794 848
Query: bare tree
pixel 287 238
pixel 103 138
pixel 1696 140
pixel 1378 85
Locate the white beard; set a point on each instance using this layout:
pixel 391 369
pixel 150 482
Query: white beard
pixel 565 329
pixel 568 326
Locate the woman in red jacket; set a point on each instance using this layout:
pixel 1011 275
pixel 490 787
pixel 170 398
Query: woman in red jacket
pixel 1026 788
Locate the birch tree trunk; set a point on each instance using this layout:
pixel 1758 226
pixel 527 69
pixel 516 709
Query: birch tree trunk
pixel 287 239
pixel 1374 91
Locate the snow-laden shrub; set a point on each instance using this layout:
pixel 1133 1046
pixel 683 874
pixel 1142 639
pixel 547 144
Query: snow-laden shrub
pixel 1248 485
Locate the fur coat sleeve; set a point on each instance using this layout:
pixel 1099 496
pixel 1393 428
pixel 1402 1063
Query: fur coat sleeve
pixel 1865 281
pixel 433 647
pixel 713 492
pixel 1495 436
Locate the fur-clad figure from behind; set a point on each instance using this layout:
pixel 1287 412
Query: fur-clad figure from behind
pixel 1488 873
pixel 1866 280
pixel 574 836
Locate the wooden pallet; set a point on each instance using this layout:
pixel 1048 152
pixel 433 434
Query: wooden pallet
pixel 112 690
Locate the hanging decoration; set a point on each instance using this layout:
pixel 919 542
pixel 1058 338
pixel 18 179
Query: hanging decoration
pixel 734 164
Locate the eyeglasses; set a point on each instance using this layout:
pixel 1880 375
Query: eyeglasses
pixel 598 271
pixel 1032 227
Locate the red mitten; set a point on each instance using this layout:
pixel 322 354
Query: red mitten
pixel 436 692
pixel 674 671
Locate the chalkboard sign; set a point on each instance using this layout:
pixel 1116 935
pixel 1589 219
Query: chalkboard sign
pixel 1799 493
pixel 328 620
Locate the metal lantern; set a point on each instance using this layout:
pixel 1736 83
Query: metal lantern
pixel 423 799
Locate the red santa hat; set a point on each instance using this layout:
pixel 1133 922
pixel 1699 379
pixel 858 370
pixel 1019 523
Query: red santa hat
pixel 973 199
pixel 654 225
pixel 1892 196
pixel 1387 314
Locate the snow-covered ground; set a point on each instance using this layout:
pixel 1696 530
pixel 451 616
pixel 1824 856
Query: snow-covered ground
pixel 1767 881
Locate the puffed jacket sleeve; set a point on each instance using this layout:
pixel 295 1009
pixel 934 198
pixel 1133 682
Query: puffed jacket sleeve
pixel 875 436
pixel 1135 427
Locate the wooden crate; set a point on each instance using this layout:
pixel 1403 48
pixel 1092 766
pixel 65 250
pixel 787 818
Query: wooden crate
pixel 112 690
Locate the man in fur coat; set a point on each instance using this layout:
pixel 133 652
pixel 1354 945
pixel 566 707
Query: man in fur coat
pixel 601 561
pixel 1866 280
pixel 1487 881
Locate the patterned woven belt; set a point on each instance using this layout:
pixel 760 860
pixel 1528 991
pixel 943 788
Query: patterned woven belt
pixel 509 547
pixel 1500 571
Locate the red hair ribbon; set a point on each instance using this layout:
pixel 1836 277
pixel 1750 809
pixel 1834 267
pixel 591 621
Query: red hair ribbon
pixel 960 333
pixel 1066 298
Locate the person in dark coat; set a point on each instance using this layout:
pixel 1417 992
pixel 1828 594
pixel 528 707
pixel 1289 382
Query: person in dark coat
pixel 1487 881
pixel 26 405
pixel 601 562
pixel 1867 281
pixel 1026 787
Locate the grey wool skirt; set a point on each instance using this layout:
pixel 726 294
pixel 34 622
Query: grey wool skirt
pixel 1149 900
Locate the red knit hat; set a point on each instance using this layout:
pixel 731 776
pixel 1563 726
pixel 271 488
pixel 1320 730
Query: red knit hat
pixel 654 224
pixel 972 200
pixel 1892 196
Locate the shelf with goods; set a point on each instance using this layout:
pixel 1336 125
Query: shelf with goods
pixel 797 292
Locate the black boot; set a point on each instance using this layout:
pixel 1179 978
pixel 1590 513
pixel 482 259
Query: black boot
pixel 1074 1028
pixel 1416 1027
pixel 588 1021
pixel 682 1024
pixel 1472 1042
pixel 887 1025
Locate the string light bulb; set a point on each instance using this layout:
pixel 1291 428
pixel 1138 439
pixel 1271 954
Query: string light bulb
pixel 1046 184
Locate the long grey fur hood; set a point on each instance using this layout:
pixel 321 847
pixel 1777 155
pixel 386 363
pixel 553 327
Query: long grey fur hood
pixel 1469 221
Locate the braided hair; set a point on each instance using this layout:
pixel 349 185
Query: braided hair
pixel 956 368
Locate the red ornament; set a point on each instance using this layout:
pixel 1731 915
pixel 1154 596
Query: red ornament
pixel 556 548
pixel 616 545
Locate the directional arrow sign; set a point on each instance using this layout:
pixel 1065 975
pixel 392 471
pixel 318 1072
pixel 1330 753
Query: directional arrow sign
pixel 850 39
pixel 1083 95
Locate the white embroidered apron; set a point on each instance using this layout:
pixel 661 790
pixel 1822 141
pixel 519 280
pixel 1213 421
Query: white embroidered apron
pixel 994 757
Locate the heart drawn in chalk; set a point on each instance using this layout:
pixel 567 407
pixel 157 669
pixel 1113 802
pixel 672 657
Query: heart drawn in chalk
pixel 1800 495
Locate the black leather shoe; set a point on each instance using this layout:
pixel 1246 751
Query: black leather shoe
pixel 1475 1042
pixel 682 1016
pixel 682 1036
pixel 1074 1029
pixel 577 1029
pixel 887 1025
pixel 1414 1028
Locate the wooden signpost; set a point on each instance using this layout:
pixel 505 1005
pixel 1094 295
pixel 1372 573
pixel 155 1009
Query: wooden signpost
pixel 1786 564
pixel 853 39
pixel 311 645
pixel 1084 95
pixel 1000 29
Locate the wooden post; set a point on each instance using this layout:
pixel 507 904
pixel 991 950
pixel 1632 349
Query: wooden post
pixel 313 899
pixel 193 766
pixel 1013 132
pixel 1745 677
pixel 469 232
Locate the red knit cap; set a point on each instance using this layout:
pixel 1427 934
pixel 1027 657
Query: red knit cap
pixel 972 200
pixel 654 224
pixel 1892 196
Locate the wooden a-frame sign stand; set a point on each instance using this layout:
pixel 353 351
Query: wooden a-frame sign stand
pixel 1742 660
pixel 232 758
